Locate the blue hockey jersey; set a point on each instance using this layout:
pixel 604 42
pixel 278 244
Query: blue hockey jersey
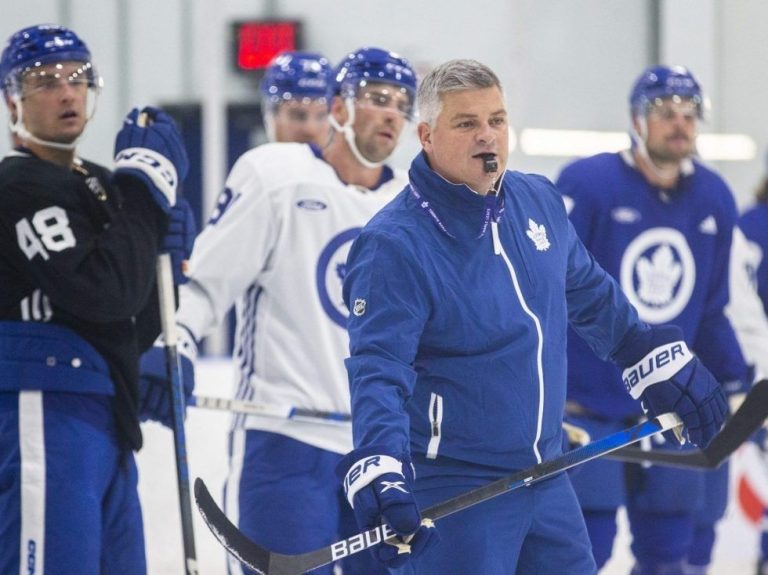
pixel 668 250
pixel 459 306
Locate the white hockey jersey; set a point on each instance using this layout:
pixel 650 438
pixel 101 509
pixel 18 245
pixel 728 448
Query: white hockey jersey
pixel 277 245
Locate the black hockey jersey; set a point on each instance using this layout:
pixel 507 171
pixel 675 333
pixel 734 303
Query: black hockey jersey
pixel 79 253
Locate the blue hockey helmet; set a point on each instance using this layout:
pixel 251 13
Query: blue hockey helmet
pixel 296 75
pixel 373 65
pixel 42 44
pixel 659 82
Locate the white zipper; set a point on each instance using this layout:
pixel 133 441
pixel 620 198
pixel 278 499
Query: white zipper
pixel 498 249
pixel 435 424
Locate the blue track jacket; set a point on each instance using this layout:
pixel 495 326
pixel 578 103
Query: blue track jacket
pixel 459 306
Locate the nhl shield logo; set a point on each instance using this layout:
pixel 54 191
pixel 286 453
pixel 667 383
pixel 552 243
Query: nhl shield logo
pixel 359 308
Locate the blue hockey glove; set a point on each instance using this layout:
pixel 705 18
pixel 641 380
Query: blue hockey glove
pixel 670 378
pixel 155 399
pixel 154 153
pixel 378 488
pixel 179 239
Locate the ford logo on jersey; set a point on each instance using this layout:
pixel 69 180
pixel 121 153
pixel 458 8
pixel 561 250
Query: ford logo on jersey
pixel 314 205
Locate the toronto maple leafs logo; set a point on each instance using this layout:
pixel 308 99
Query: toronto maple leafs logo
pixel 658 274
pixel 538 235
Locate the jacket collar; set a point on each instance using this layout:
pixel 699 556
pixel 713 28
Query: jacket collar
pixel 455 209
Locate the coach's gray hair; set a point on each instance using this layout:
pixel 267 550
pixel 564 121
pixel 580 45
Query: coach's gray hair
pixel 448 77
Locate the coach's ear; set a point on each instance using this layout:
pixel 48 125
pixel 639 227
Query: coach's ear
pixel 424 130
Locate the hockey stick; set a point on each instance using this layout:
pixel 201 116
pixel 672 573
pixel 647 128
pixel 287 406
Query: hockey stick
pixel 739 428
pixel 252 408
pixel 266 562
pixel 173 372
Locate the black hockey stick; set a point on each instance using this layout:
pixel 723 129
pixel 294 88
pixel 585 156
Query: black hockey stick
pixel 166 298
pixel 173 373
pixel 266 562
pixel 739 428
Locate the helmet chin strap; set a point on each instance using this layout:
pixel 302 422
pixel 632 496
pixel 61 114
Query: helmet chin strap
pixel 349 135
pixel 23 133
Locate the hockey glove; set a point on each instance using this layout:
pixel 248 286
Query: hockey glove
pixel 378 488
pixel 155 398
pixel 179 239
pixel 670 378
pixel 153 153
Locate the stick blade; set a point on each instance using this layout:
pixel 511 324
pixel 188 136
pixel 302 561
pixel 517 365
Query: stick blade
pixel 738 429
pixel 233 540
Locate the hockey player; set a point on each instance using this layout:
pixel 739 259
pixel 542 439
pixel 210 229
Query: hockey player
pixel 660 223
pixel 277 245
pixel 79 246
pixel 461 290
pixel 748 309
pixel 294 98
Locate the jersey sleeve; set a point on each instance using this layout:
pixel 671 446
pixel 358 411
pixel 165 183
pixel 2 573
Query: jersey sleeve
pixel 598 310
pixel 232 251
pixel 388 312
pixel 715 342
pixel 92 261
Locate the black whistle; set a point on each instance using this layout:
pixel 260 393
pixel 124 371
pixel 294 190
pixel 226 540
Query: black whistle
pixel 490 164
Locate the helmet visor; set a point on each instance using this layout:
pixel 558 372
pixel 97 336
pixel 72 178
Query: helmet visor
pixel 48 78
pixel 381 96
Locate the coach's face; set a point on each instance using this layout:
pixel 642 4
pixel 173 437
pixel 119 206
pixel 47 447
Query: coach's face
pixel 471 123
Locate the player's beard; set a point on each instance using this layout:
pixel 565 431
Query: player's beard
pixel 671 154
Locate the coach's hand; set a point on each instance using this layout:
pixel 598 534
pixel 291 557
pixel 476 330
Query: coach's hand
pixel 670 378
pixel 378 487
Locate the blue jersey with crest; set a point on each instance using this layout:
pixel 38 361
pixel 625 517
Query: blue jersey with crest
pixel 669 252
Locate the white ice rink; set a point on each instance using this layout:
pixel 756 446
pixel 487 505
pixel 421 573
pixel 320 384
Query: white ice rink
pixel 206 443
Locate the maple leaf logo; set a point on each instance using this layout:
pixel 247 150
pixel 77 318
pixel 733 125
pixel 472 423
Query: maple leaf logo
pixel 658 276
pixel 538 235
